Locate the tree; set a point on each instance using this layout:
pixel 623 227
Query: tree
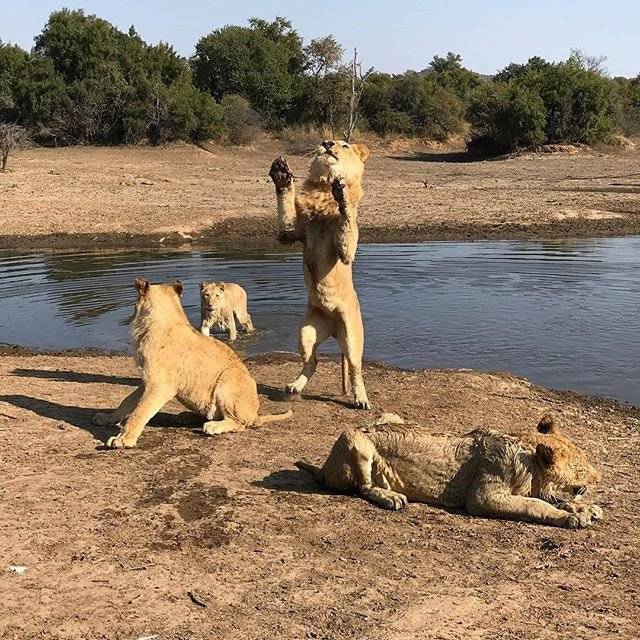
pixel 358 81
pixel 449 73
pixel 323 56
pixel 412 104
pixel 263 63
pixel 595 64
pixel 12 137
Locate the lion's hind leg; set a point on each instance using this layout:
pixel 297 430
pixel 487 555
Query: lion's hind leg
pixel 354 463
pixel 316 328
pixel 235 404
pixel 350 335
pixel 217 427
pixel 244 319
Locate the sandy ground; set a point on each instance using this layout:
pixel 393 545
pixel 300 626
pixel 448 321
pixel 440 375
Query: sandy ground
pixel 114 542
pixel 144 196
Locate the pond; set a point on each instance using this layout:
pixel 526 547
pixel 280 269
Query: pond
pixel 562 313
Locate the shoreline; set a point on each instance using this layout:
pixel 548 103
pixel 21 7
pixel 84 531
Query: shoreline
pixel 280 357
pixel 261 234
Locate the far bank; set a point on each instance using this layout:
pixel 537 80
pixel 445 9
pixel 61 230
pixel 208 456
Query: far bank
pixel 127 197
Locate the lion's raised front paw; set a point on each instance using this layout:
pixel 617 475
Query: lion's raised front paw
pixel 338 186
pixel 280 173
pixel 120 442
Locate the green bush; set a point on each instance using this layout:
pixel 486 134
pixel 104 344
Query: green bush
pixel 504 117
pixel 412 104
pixel 627 105
pixel 241 122
pixel 542 102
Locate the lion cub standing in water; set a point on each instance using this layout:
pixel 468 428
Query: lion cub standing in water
pixel 323 216
pixel 221 303
pixel 177 361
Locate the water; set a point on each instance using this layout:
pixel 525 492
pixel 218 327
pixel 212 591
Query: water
pixel 562 313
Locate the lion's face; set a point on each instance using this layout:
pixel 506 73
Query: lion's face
pixel 212 295
pixel 565 473
pixel 337 158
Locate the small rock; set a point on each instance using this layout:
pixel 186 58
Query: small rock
pixel 17 568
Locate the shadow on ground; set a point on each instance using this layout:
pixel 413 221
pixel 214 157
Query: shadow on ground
pixel 82 417
pixel 448 157
pixel 75 376
pixel 292 480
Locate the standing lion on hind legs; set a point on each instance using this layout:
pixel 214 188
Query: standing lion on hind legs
pixel 323 216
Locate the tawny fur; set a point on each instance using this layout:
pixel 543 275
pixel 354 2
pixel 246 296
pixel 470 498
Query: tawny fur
pixel 177 361
pixel 322 215
pixel 221 304
pixel 486 472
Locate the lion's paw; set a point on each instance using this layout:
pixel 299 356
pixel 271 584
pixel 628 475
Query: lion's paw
pixel 294 388
pixel 580 520
pixel 280 173
pixel 387 499
pixel 593 511
pixel 362 403
pixel 211 428
pixel 120 442
pixel 338 185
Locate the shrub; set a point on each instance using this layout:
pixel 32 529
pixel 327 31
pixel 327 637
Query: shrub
pixel 505 117
pixel 241 122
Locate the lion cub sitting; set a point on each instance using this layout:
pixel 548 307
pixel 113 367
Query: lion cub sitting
pixel 204 374
pixel 220 304
pixel 486 472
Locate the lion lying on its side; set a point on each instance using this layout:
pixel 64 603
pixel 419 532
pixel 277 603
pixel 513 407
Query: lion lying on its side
pixel 178 362
pixel 220 304
pixel 489 473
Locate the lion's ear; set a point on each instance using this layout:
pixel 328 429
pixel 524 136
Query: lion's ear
pixel 547 425
pixel 221 286
pixel 361 150
pixel 177 287
pixel 551 455
pixel 203 284
pixel 142 286
pixel 545 454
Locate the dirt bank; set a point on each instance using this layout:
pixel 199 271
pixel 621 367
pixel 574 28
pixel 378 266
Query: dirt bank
pixel 114 542
pixel 119 197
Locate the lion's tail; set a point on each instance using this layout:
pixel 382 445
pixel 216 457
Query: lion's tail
pixel 272 417
pixel 312 469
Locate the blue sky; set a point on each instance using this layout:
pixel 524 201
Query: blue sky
pixel 392 36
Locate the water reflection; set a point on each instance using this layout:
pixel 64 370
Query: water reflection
pixel 560 312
